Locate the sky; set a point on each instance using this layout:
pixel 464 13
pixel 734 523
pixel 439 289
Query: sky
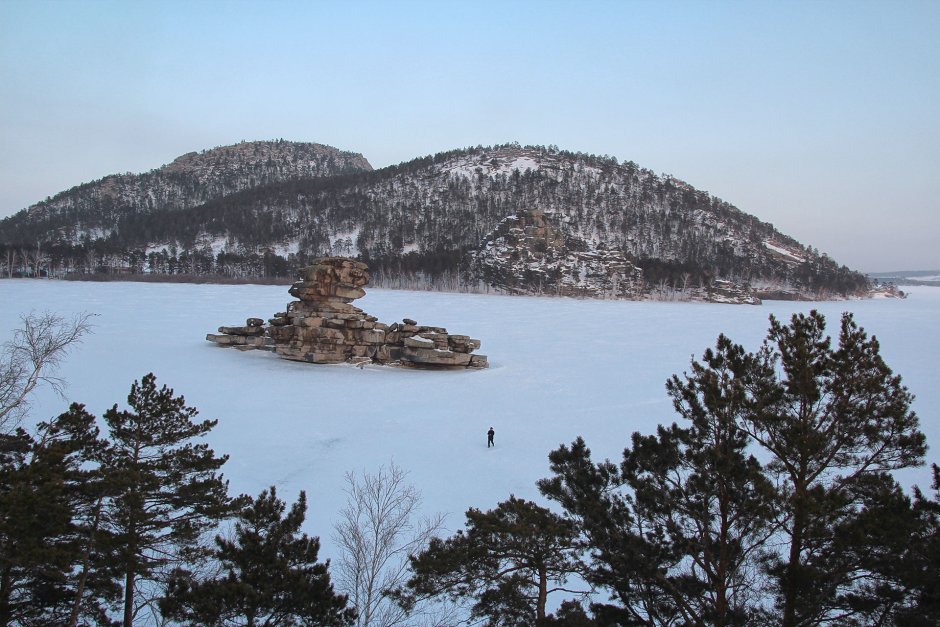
pixel 820 117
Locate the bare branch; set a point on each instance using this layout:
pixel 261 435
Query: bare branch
pixel 32 357
pixel 378 531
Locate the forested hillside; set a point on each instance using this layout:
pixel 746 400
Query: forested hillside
pixel 512 218
pixel 99 217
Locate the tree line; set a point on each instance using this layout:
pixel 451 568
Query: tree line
pixel 771 501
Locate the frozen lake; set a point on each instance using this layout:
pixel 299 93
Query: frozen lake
pixel 559 368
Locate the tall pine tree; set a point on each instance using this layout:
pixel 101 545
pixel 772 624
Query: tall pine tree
pixel 678 529
pixel 835 421
pixel 48 488
pixel 165 489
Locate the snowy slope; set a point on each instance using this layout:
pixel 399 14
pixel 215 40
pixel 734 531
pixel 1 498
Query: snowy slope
pixel 559 368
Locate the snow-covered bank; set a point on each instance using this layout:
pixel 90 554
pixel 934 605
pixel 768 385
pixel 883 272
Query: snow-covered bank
pixel 559 368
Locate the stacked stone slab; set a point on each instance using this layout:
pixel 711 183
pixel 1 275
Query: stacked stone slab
pixel 248 337
pixel 323 327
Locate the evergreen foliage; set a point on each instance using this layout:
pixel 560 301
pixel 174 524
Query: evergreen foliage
pixel 509 560
pixel 835 421
pixel 911 562
pixel 91 524
pixel 165 491
pixel 269 575
pixel 692 529
pixel 48 491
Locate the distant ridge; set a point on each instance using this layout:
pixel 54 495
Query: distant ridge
pixel 510 218
pixel 192 179
pixel 908 277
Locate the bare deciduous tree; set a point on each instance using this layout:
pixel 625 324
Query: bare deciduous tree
pixel 11 262
pixel 38 260
pixel 378 531
pixel 32 357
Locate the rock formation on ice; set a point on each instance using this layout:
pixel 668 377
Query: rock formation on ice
pixel 323 327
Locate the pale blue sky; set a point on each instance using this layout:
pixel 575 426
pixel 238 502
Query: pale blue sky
pixel 820 117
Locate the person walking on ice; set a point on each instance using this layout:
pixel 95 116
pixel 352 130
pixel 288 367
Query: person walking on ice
pixel 489 438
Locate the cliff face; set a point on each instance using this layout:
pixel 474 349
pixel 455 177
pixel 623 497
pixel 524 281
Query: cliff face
pixel 527 253
pixel 512 218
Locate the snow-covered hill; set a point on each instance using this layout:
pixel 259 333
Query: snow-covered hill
pixel 604 228
pixel 95 210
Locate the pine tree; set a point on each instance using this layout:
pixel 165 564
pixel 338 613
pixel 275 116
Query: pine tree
pixel 508 561
pixel 22 541
pixel 700 488
pixel 165 490
pixel 835 422
pixel 48 487
pixel 887 540
pixel 920 573
pixel 623 559
pixel 676 531
pixel 269 575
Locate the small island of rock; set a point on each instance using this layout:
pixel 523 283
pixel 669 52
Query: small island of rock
pixel 322 327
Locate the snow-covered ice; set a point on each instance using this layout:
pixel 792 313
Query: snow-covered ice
pixel 559 368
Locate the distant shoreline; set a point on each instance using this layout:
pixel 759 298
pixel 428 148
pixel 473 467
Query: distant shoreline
pixel 930 278
pixel 177 278
pixel 765 295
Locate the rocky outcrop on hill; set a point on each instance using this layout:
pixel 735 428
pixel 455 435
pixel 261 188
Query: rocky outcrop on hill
pixel 529 252
pixel 323 327
pixel 533 253
pixel 730 293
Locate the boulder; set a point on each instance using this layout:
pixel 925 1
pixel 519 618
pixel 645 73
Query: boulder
pixel 434 357
pixel 478 361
